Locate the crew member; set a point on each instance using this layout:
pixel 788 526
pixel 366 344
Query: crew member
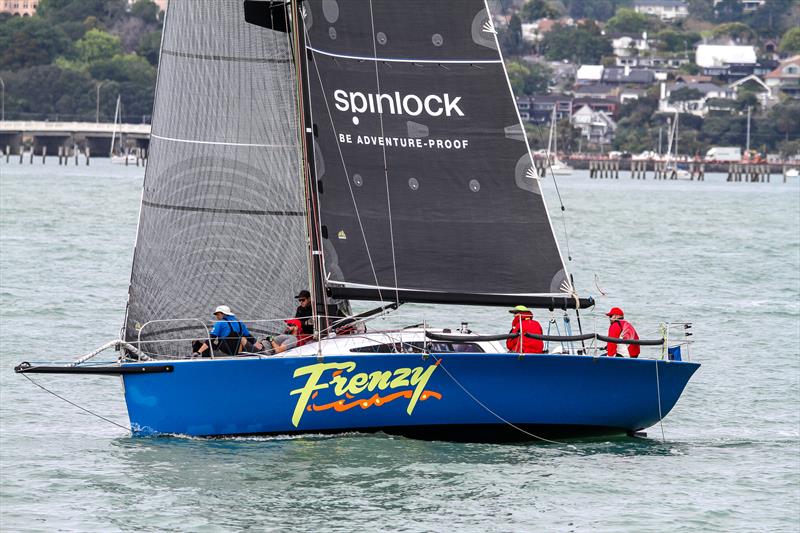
pixel 523 322
pixel 229 335
pixel 304 312
pixel 291 338
pixel 621 329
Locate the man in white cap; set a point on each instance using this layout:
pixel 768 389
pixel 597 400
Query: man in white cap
pixel 229 335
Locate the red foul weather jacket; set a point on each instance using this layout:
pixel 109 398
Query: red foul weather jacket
pixel 529 325
pixel 622 329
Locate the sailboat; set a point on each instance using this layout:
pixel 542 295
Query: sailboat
pixel 556 166
pixel 671 167
pixel 367 151
pixel 116 155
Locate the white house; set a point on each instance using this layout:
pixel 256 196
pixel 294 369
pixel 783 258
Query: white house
pixel 589 74
pixel 696 106
pixel 786 78
pixel 721 55
pixel 666 10
pixel 596 126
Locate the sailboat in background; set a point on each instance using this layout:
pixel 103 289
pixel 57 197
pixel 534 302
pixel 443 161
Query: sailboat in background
pixel 671 167
pixel 367 151
pixel 118 155
pixel 556 166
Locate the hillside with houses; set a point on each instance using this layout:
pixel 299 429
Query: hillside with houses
pixel 616 74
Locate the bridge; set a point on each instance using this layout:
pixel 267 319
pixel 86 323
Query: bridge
pixel 96 135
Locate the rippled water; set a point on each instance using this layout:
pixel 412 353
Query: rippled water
pixel 725 256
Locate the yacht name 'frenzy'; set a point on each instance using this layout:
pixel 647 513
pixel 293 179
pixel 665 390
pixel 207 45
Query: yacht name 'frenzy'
pixel 410 104
pixel 402 382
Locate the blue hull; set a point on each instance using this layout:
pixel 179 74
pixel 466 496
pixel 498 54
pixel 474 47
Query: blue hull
pixel 465 397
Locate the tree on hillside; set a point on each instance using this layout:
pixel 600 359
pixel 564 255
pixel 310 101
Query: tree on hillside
pixel 629 22
pixel 736 31
pixel 581 44
pixel 790 42
pixel 57 11
pixel 97 45
pixel 601 10
pixel 537 9
pixel 149 46
pixel 528 78
pixel 29 41
pixel 786 118
pixel 685 94
pixel 670 40
pixel 511 38
pixel 728 10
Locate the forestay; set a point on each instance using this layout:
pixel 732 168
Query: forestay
pixel 426 185
pixel 222 216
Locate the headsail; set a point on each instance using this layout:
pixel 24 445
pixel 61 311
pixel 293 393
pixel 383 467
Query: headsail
pixel 426 184
pixel 222 216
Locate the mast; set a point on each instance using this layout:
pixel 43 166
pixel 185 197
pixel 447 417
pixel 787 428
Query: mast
pixel 747 150
pixel 114 129
pixel 319 300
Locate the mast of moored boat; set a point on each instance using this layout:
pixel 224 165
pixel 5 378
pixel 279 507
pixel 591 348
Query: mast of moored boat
pixel 319 300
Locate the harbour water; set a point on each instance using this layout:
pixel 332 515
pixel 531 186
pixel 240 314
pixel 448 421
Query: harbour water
pixel 725 256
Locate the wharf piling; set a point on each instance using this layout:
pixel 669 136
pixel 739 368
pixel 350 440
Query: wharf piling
pixel 21 154
pixel 638 170
pixel 749 172
pixel 88 155
pixel 44 154
pixel 8 156
pixel 604 169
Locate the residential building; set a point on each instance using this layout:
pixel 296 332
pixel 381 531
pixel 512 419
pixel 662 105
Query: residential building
pixel 756 85
pixel 786 77
pixel 539 108
pixel 589 74
pixel 748 6
pixel 696 106
pixel 719 60
pixel 666 10
pixel 628 76
pixel 625 46
pixel 22 8
pixel 599 91
pixel 534 32
pixel 596 126
pixel 607 106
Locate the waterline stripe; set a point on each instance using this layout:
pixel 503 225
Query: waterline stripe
pixel 226 211
pixel 211 57
pixel 392 60
pixel 175 139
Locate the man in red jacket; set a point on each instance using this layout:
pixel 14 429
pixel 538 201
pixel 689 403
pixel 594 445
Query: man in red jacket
pixel 621 329
pixel 523 320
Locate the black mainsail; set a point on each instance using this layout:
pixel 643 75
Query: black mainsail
pixel 223 215
pixel 426 186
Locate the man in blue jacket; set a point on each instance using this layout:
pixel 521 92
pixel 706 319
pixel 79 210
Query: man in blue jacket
pixel 229 335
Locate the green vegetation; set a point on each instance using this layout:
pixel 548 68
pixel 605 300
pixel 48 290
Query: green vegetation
pixel 53 63
pixel 582 44
pixel 790 42
pixel 528 78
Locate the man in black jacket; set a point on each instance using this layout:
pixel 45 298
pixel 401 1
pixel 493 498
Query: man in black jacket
pixel 304 311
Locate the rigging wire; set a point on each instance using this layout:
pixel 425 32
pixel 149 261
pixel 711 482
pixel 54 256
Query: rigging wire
pixel 383 147
pixel 344 167
pixel 485 407
pixel 75 404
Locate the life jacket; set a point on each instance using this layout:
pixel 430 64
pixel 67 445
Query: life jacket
pixel 622 329
pixel 528 325
pixel 232 343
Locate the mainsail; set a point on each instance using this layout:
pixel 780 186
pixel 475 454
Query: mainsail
pixel 426 185
pixel 222 215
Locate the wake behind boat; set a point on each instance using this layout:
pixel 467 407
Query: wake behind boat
pixel 368 151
